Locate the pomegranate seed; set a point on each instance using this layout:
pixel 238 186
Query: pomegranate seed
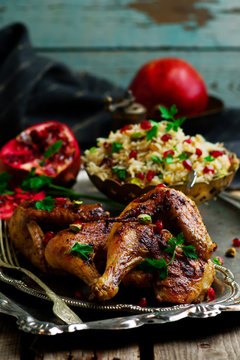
pixel 49 235
pixel 145 125
pixel 166 137
pixel 159 224
pixel 133 154
pixel 140 176
pixel 125 128
pixel 207 170
pixel 39 196
pixel 187 164
pixel 60 201
pixel 216 153
pixel 236 242
pixel 78 222
pixel 198 152
pixel 18 191
pixel 150 175
pixel 161 186
pixel 188 141
pixel 211 294
pixel 78 294
pixel 166 153
pixel 107 146
pixel 230 159
pixel 142 302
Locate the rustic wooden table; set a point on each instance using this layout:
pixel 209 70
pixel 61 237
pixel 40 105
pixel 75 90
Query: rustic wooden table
pixel 112 40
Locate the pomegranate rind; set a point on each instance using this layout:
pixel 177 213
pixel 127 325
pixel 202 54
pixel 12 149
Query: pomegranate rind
pixel 65 172
pixel 168 81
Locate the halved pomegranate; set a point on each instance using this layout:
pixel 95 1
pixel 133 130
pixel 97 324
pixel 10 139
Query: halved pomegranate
pixel 28 150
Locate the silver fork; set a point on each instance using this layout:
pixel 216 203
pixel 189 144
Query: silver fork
pixel 8 259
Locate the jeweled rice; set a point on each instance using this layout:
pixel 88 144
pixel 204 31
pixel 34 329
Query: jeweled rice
pixel 147 154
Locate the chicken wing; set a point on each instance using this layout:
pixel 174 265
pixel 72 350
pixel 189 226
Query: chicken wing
pixel 178 214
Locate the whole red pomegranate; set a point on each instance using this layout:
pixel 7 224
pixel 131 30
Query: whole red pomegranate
pixel 169 81
pixel 50 147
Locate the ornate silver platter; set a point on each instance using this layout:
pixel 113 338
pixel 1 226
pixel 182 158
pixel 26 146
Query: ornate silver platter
pixel 227 299
pixel 222 221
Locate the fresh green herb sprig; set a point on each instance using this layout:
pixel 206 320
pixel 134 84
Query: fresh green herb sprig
pixel 183 156
pixel 53 149
pixel 33 182
pixel 153 131
pixel 81 250
pixel 149 265
pixel 46 204
pixel 169 114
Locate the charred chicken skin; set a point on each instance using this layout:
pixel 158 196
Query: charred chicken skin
pixel 123 242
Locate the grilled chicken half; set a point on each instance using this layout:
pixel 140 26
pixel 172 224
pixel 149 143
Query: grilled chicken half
pixel 129 243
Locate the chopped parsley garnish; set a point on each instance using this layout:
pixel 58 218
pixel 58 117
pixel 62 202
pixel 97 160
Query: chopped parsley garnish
pixel 153 131
pixel 157 159
pixel 121 173
pixel 183 156
pixel 149 265
pixel 53 149
pixel 116 147
pixel 169 159
pixel 80 250
pixel 209 158
pixel 46 204
pixel 169 114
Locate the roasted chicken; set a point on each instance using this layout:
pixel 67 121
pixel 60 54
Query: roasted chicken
pixel 129 243
pixel 120 244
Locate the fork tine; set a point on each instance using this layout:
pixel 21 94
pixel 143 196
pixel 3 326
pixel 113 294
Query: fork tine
pixel 3 253
pixel 12 257
pixel 7 246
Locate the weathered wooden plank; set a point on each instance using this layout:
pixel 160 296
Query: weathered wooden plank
pixel 67 355
pixel 124 353
pixel 220 347
pixel 9 339
pixel 219 69
pixel 126 23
